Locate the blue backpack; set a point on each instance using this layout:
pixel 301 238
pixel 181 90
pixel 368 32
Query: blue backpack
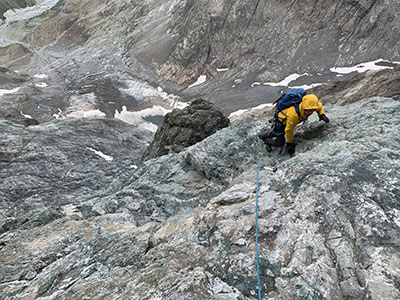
pixel 291 98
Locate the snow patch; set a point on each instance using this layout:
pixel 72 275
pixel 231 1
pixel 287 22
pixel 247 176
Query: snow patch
pixel 306 86
pixel 255 84
pixel 286 81
pixel 26 116
pixel 101 154
pixel 360 68
pixel 83 106
pixel 137 117
pixel 59 115
pixel 41 76
pixel 13 91
pixel 41 84
pixel 200 80
pixel 86 114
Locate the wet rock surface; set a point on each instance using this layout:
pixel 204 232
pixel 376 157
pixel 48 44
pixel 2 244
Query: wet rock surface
pixel 183 225
pixel 185 127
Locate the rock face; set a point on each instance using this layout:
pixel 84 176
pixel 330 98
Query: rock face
pixel 183 225
pixel 185 127
pixel 63 162
pixel 385 83
pixel 169 43
pixel 278 37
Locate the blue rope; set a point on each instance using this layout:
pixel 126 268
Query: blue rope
pixel 257 256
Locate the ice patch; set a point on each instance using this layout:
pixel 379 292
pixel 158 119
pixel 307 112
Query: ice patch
pixel 142 90
pixel 137 117
pixel 360 68
pixel 200 80
pixel 101 154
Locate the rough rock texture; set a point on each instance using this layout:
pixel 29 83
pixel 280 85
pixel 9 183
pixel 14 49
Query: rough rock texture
pixel 185 127
pixel 183 225
pixel 385 83
pixel 169 43
pixel 278 37
pixel 63 162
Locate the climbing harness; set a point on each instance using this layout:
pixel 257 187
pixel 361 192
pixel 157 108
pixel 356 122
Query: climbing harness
pixel 257 255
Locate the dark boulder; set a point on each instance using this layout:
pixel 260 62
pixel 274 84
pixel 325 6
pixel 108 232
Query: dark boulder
pixel 185 127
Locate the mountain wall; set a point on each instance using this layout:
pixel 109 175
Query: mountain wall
pixel 183 225
pixel 170 44
pixel 273 39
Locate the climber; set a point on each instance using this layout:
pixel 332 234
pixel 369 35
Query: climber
pixel 286 120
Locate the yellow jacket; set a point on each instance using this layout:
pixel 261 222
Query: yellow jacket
pixel 290 119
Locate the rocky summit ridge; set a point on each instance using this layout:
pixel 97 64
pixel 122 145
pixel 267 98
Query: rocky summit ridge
pixel 182 226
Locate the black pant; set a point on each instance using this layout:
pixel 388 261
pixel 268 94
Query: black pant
pixel 276 137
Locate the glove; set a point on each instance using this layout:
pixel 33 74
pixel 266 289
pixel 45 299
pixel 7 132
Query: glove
pixel 324 118
pixel 290 148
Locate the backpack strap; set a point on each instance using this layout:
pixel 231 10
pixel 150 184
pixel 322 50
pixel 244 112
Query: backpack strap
pixel 276 117
pixel 297 108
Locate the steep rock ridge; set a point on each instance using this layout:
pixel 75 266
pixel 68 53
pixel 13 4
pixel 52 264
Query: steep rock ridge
pixel 182 227
pixel 278 37
pixel 185 127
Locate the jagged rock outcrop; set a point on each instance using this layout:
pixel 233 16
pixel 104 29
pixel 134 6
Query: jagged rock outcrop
pixel 185 127
pixel 183 225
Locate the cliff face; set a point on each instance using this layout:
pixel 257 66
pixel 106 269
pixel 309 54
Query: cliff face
pixel 233 44
pixel 276 38
pixel 183 225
